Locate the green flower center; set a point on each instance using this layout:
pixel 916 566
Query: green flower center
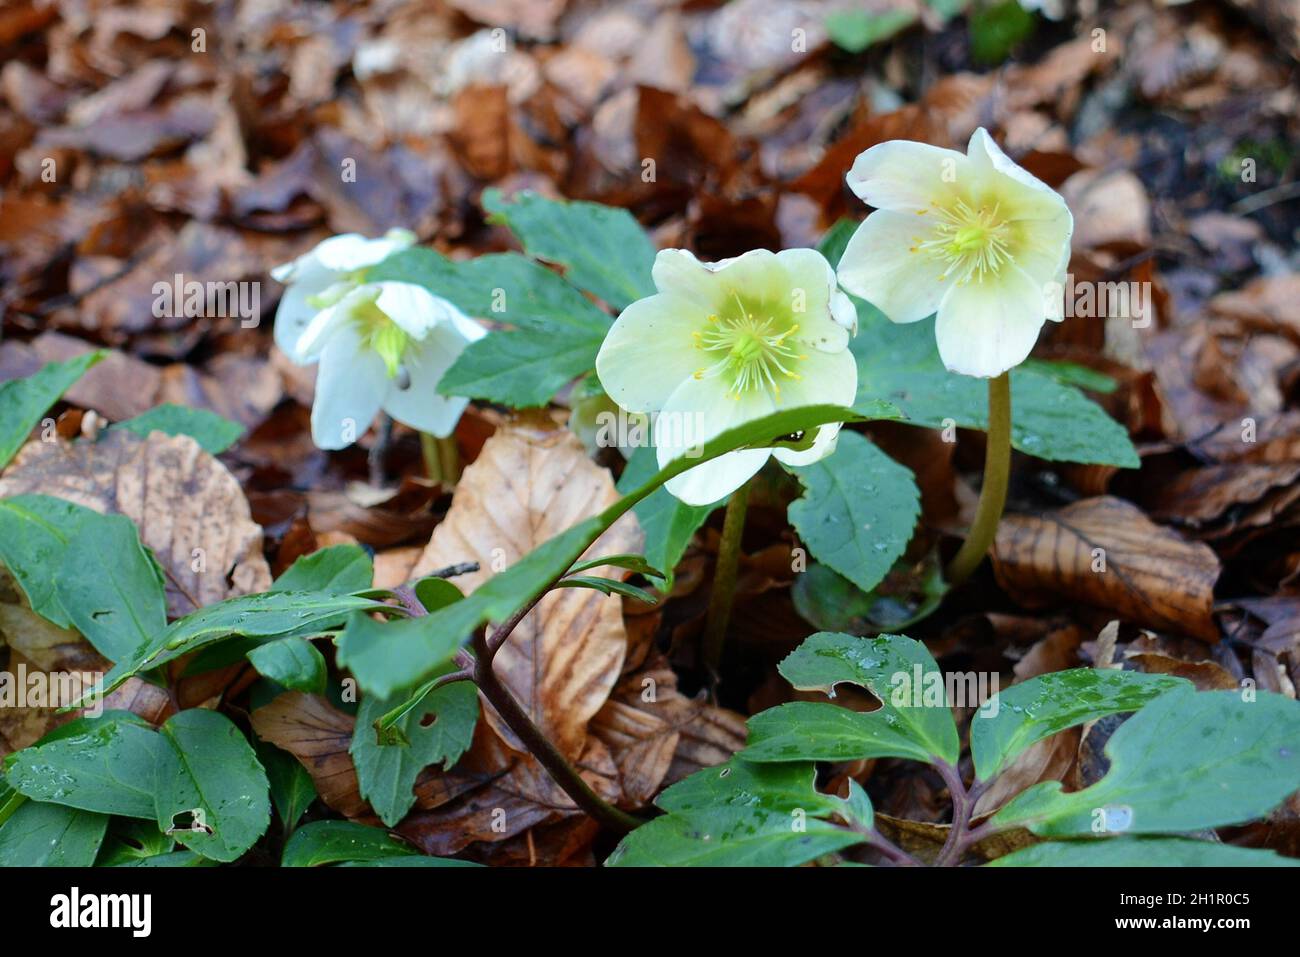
pixel 750 351
pixel 971 242
pixel 381 334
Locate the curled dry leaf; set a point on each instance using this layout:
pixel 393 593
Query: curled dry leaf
pixel 189 509
pixel 527 485
pixel 1105 552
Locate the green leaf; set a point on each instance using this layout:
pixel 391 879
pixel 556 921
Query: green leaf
pixel 130 843
pixel 855 30
pixel 894 668
pixel 111 587
pixel 34 534
pixel 24 401
pixel 831 602
pixel 208 769
pixel 729 836
pixel 438 730
pixel 51 835
pixel 1049 419
pixel 607 586
pixel 105 765
pixel 1040 707
pixel 857 511
pixel 329 842
pixel 558 330
pixel 741 783
pixel 667 523
pixel 10 801
pixel 418 860
pixel 213 432
pixel 292 789
pixel 388 658
pixel 603 249
pixel 293 662
pixel 633 563
pixel 996 29
pixel 1071 373
pixel 173 859
pixel 1188 760
pixel 336 570
pixel 1140 852
pixel 266 615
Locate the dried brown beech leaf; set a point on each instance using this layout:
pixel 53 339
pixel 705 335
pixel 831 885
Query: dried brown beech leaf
pixel 1105 552
pixel 318 735
pixel 190 510
pixel 529 484
pixel 650 726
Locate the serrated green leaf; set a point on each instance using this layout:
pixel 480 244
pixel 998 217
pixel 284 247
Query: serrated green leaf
pixel 603 249
pixel 894 668
pixel 857 510
pixel 633 563
pixel 213 432
pixel 1140 852
pixel 744 784
pixel 521 369
pixel 607 586
pixel 24 401
pixel 105 764
pixel 830 602
pixel 209 769
pixel 730 837
pixel 1188 760
pixel 111 588
pixel 51 835
pixel 438 730
pixel 1040 707
pixel 34 534
pixel 293 662
pixel 329 842
pixel 336 570
pixel 385 661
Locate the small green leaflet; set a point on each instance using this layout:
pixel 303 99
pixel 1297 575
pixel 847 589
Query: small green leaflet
pixel 209 776
pixel 855 30
pixel 51 835
pixel 111 588
pixel 857 511
pixel 330 842
pixel 293 662
pixel 213 432
pixel 1042 706
pixel 438 730
pixel 336 570
pixel 105 764
pixel 741 783
pixel 894 668
pixel 292 789
pixel 1188 760
pixel 1140 852
pixel 603 249
pixel 24 401
pixel 730 837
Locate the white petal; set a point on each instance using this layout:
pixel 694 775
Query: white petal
pixel 825 378
pixel 649 351
pixel 879 265
pixel 823 445
pixel 1018 193
pixel 699 410
pixel 294 313
pixel 844 312
pixel 323 326
pixel 810 283
pixel 413 308
pixel 351 251
pixel 906 176
pixel 1042 246
pixel 986 328
pixel 349 389
pixel 419 405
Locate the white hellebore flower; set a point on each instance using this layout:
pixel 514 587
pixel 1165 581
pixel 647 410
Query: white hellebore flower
pixel 724 343
pixel 973 237
pixel 380 345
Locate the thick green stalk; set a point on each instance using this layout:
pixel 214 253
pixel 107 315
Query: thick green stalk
pixel 993 494
pixel 724 580
pixel 441 458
